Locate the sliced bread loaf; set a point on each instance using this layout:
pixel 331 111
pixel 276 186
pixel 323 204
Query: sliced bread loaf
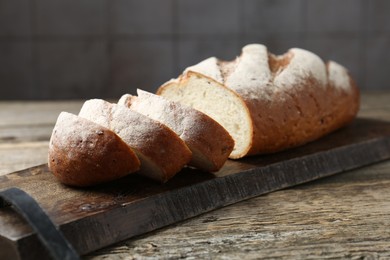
pixel 83 153
pixel 266 102
pixel 161 152
pixel 208 141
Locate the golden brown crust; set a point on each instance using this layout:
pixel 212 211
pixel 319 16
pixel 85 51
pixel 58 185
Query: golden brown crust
pixel 209 142
pixel 158 147
pixel 292 99
pixel 182 81
pixel 82 153
pixel 299 117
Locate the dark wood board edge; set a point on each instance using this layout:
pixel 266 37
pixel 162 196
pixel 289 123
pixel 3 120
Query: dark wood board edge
pixel 366 139
pixel 129 220
pixel 234 188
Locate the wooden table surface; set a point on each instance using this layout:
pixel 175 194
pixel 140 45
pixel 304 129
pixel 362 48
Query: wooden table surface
pixel 343 216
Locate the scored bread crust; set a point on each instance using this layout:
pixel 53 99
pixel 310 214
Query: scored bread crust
pixel 291 99
pixel 209 142
pixel 172 90
pixel 161 152
pixel 82 153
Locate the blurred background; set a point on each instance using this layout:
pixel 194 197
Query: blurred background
pixel 77 49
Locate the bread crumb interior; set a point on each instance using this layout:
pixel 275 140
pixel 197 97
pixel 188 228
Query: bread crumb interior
pixel 220 104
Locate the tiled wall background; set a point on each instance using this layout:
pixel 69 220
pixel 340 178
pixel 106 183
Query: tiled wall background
pixel 60 49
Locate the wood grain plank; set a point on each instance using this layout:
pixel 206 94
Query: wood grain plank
pixel 99 216
pixel 28 133
pixel 195 238
pixel 19 156
pixel 34 113
pixel 339 217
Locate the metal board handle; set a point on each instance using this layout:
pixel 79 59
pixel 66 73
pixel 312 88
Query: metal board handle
pixel 50 236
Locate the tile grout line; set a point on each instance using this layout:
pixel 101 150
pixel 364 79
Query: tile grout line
pixel 241 37
pixel 362 45
pixel 35 60
pixel 175 37
pixel 166 36
pixel 109 48
pixel 304 24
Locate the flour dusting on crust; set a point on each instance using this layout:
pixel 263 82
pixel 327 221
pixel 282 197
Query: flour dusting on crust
pixel 303 65
pixel 208 67
pixel 338 76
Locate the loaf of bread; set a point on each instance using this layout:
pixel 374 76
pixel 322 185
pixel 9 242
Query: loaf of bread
pixel 208 141
pixel 263 103
pixel 80 152
pixel 269 103
pixel 161 151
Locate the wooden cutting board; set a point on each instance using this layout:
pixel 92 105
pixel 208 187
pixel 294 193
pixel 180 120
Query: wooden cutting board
pixel 97 217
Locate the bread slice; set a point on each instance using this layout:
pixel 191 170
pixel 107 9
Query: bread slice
pixel 208 141
pixel 161 152
pixel 266 102
pixel 83 153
